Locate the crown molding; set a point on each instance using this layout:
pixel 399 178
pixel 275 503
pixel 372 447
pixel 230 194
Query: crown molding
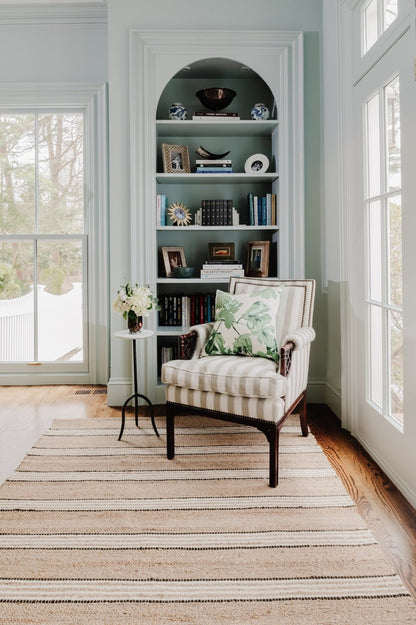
pixel 41 14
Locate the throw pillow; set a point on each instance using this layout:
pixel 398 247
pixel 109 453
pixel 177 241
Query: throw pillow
pixel 245 324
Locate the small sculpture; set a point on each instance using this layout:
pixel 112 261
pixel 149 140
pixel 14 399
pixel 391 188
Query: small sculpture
pixel 179 214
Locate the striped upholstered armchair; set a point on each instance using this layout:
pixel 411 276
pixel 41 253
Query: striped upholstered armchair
pixel 255 377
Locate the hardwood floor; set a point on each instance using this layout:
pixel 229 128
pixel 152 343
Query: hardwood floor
pixel 26 412
pixel 387 513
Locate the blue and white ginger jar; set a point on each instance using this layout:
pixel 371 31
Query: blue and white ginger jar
pixel 177 111
pixel 260 111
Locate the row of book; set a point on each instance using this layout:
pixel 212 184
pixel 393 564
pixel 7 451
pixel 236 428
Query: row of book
pixel 186 310
pixel 161 210
pixel 217 213
pixel 217 270
pixel 263 211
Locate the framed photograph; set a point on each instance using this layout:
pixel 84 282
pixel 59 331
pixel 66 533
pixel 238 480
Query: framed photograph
pixel 173 257
pixel 175 159
pixel 258 259
pixel 256 164
pixel 221 251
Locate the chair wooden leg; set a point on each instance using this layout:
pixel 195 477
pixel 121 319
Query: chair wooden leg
pixel 273 438
pixel 303 416
pixel 170 431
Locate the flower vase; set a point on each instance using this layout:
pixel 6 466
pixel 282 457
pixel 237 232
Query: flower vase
pixel 134 322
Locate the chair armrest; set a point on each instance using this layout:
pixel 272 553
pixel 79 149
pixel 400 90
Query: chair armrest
pixel 300 337
pixel 294 341
pixel 192 343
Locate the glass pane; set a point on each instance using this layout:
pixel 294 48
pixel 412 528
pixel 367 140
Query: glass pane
pixel 370 25
pixel 396 366
pixel 390 12
pixel 60 301
pixel 376 355
pixel 373 146
pixel 392 103
pixel 17 174
pixel 61 173
pixel 375 250
pixel 395 251
pixel 16 301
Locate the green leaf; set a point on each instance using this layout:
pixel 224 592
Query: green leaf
pixel 215 344
pixel 257 314
pixel 226 308
pixel 243 345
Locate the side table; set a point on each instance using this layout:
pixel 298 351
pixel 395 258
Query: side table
pixel 133 337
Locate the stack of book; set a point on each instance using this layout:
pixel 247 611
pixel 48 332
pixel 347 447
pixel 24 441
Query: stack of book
pixel 161 206
pixel 204 116
pixel 263 211
pixel 217 213
pixel 217 166
pixel 221 269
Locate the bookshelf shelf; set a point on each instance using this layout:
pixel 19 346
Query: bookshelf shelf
pixel 235 178
pixel 190 128
pixel 241 227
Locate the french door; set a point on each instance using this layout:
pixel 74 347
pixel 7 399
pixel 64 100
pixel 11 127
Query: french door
pixel 383 257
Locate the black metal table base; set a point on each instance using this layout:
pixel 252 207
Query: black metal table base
pixel 136 396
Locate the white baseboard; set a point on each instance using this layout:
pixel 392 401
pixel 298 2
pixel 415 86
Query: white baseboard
pixel 320 392
pixel 406 491
pixel 118 389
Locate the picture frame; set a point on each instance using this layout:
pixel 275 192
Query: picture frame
pixel 173 257
pixel 221 251
pixel 256 164
pixel 258 259
pixel 175 159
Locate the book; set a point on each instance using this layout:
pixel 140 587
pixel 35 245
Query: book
pixel 221 275
pixel 210 115
pixel 213 162
pixel 222 267
pixel 214 170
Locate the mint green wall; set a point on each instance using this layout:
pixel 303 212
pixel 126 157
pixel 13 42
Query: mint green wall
pixel 305 15
pixel 53 53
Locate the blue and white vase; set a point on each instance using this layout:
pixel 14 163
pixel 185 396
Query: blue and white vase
pixel 177 111
pixel 260 111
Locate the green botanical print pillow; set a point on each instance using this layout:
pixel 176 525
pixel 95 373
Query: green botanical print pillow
pixel 245 324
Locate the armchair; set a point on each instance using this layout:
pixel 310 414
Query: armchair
pixel 250 390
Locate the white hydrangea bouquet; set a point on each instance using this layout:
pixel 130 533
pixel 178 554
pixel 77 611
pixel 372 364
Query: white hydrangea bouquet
pixel 135 302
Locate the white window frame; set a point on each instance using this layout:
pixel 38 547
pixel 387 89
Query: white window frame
pixel 91 99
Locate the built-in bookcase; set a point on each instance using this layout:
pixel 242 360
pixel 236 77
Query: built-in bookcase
pixel 274 76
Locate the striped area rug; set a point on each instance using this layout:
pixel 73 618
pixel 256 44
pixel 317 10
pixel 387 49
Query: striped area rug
pixel 97 531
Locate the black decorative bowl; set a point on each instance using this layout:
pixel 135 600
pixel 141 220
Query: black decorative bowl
pixel 216 98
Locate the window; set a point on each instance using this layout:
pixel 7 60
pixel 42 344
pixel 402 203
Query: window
pixel 53 234
pixel 42 248
pixel 384 250
pixel 376 17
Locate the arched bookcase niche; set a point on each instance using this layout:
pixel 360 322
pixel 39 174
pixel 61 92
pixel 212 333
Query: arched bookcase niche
pixel 250 88
pixel 169 67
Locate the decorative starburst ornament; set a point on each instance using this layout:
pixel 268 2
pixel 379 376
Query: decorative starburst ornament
pixel 179 214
